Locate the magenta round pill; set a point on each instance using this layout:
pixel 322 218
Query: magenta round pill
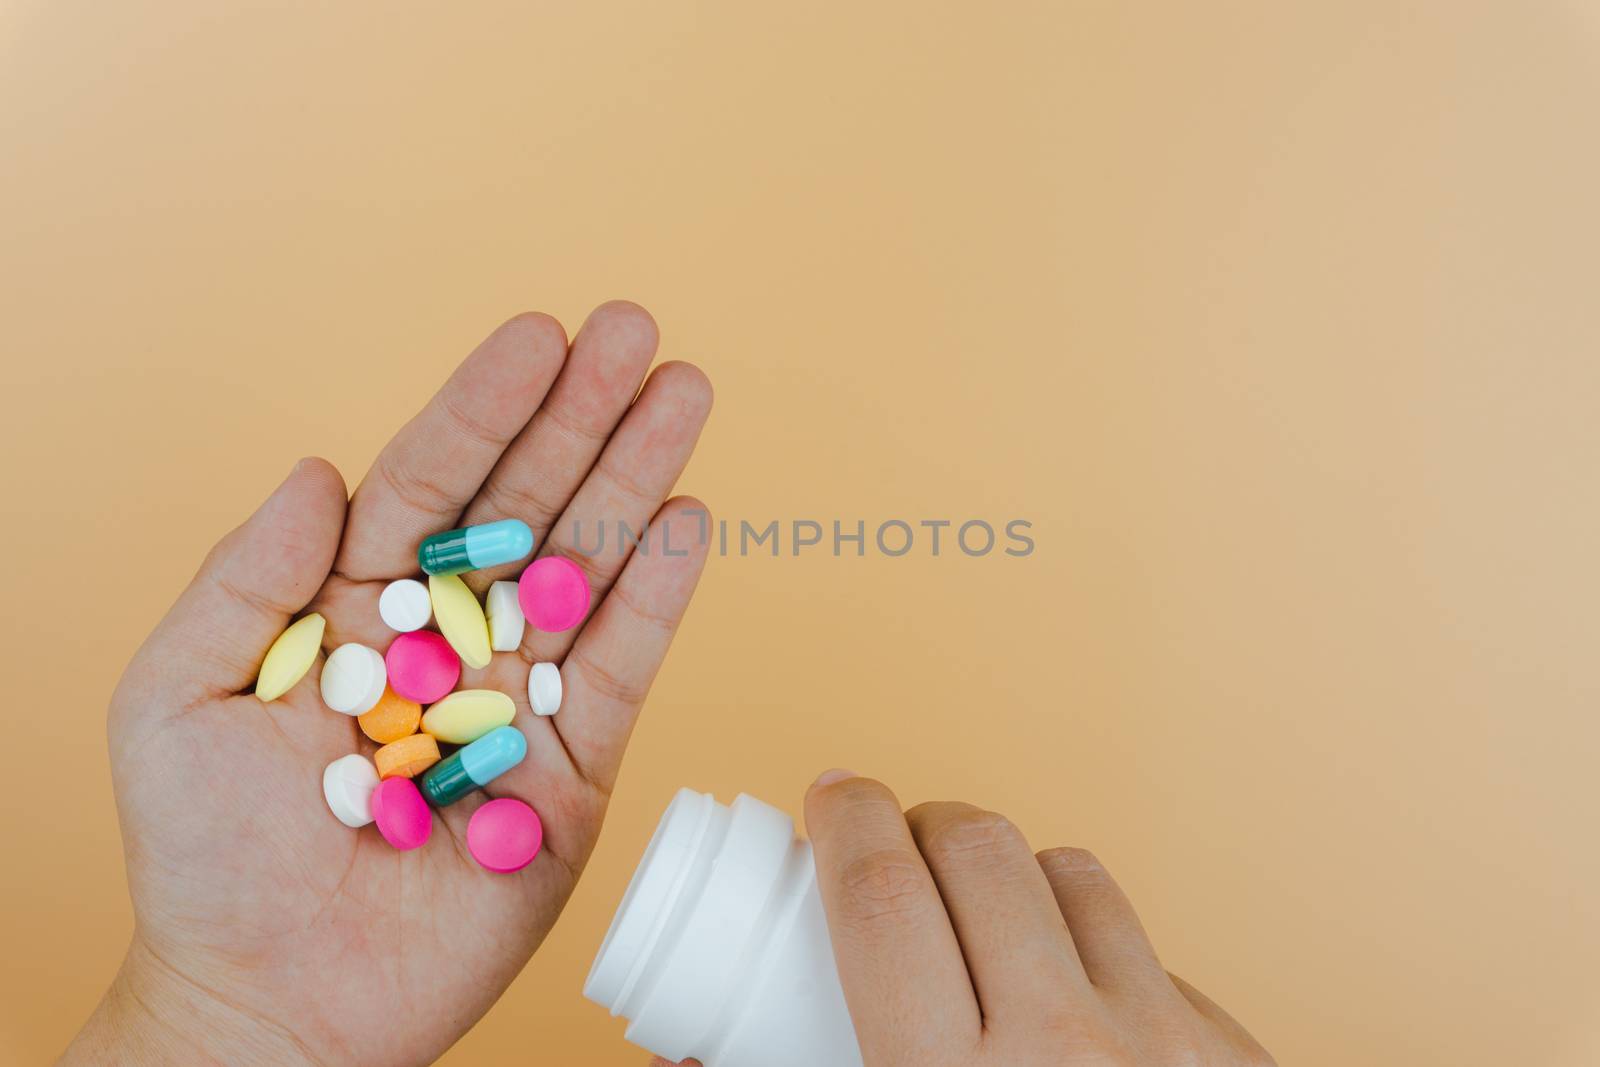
pixel 422 666
pixel 504 835
pixel 402 815
pixel 554 594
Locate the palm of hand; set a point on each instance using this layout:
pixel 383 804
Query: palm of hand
pixel 245 887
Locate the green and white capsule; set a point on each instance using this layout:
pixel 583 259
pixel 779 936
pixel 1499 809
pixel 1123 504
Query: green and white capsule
pixel 473 766
pixel 476 547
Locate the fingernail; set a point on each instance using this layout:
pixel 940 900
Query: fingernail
pixel 838 774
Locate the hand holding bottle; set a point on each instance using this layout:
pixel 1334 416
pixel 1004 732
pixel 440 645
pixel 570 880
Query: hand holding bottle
pixel 958 946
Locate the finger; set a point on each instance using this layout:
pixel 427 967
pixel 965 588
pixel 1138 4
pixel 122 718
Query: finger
pixel 898 958
pixel 425 476
pixel 609 671
pixel 1111 941
pixel 1214 1013
pixel 214 638
pixel 543 467
pixel 1012 936
pixel 609 515
pixel 573 756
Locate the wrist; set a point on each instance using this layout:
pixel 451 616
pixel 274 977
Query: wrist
pixel 152 1014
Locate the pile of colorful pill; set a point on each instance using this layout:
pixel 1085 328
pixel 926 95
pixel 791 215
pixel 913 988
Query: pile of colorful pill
pixel 405 698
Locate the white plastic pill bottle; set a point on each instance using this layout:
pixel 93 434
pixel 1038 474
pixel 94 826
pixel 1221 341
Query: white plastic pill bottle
pixel 720 950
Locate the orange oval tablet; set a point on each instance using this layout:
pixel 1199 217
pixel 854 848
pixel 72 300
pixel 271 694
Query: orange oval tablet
pixel 407 757
pixel 391 718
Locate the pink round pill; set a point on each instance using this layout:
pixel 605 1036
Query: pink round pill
pixel 401 814
pixel 504 835
pixel 554 594
pixel 422 666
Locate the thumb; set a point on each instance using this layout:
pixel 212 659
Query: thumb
pixel 213 640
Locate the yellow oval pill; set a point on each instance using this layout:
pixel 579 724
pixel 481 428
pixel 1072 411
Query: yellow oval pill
pixel 468 714
pixel 290 656
pixel 407 757
pixel 460 618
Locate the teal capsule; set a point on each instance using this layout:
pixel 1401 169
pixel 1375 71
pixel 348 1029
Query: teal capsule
pixel 474 766
pixel 476 547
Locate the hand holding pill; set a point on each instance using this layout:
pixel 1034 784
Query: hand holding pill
pixel 261 829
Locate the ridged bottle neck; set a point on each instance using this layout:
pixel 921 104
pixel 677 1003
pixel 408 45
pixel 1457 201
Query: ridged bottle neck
pixel 696 922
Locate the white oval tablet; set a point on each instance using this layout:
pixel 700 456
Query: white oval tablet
pixel 353 679
pixel 505 617
pixel 347 785
pixel 405 605
pixel 544 689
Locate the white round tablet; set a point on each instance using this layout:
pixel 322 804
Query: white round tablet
pixel 353 679
pixel 347 785
pixel 544 689
pixel 504 611
pixel 405 605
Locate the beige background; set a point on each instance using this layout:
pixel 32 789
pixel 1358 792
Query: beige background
pixel 1277 320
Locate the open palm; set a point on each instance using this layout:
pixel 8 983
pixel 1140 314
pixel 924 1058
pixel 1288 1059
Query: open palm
pixel 261 919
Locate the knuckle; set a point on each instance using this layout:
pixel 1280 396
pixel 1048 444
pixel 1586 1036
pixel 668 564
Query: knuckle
pixel 1067 1027
pixel 574 425
pixel 1064 861
pixel 414 492
pixel 971 833
pixel 651 620
pixel 884 885
pixel 594 570
pixel 606 683
pixel 854 794
pixel 1087 1038
pixel 927 812
pixel 248 595
pixel 528 500
pixel 685 523
pixel 625 484
pixel 468 425
pixel 1181 1048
